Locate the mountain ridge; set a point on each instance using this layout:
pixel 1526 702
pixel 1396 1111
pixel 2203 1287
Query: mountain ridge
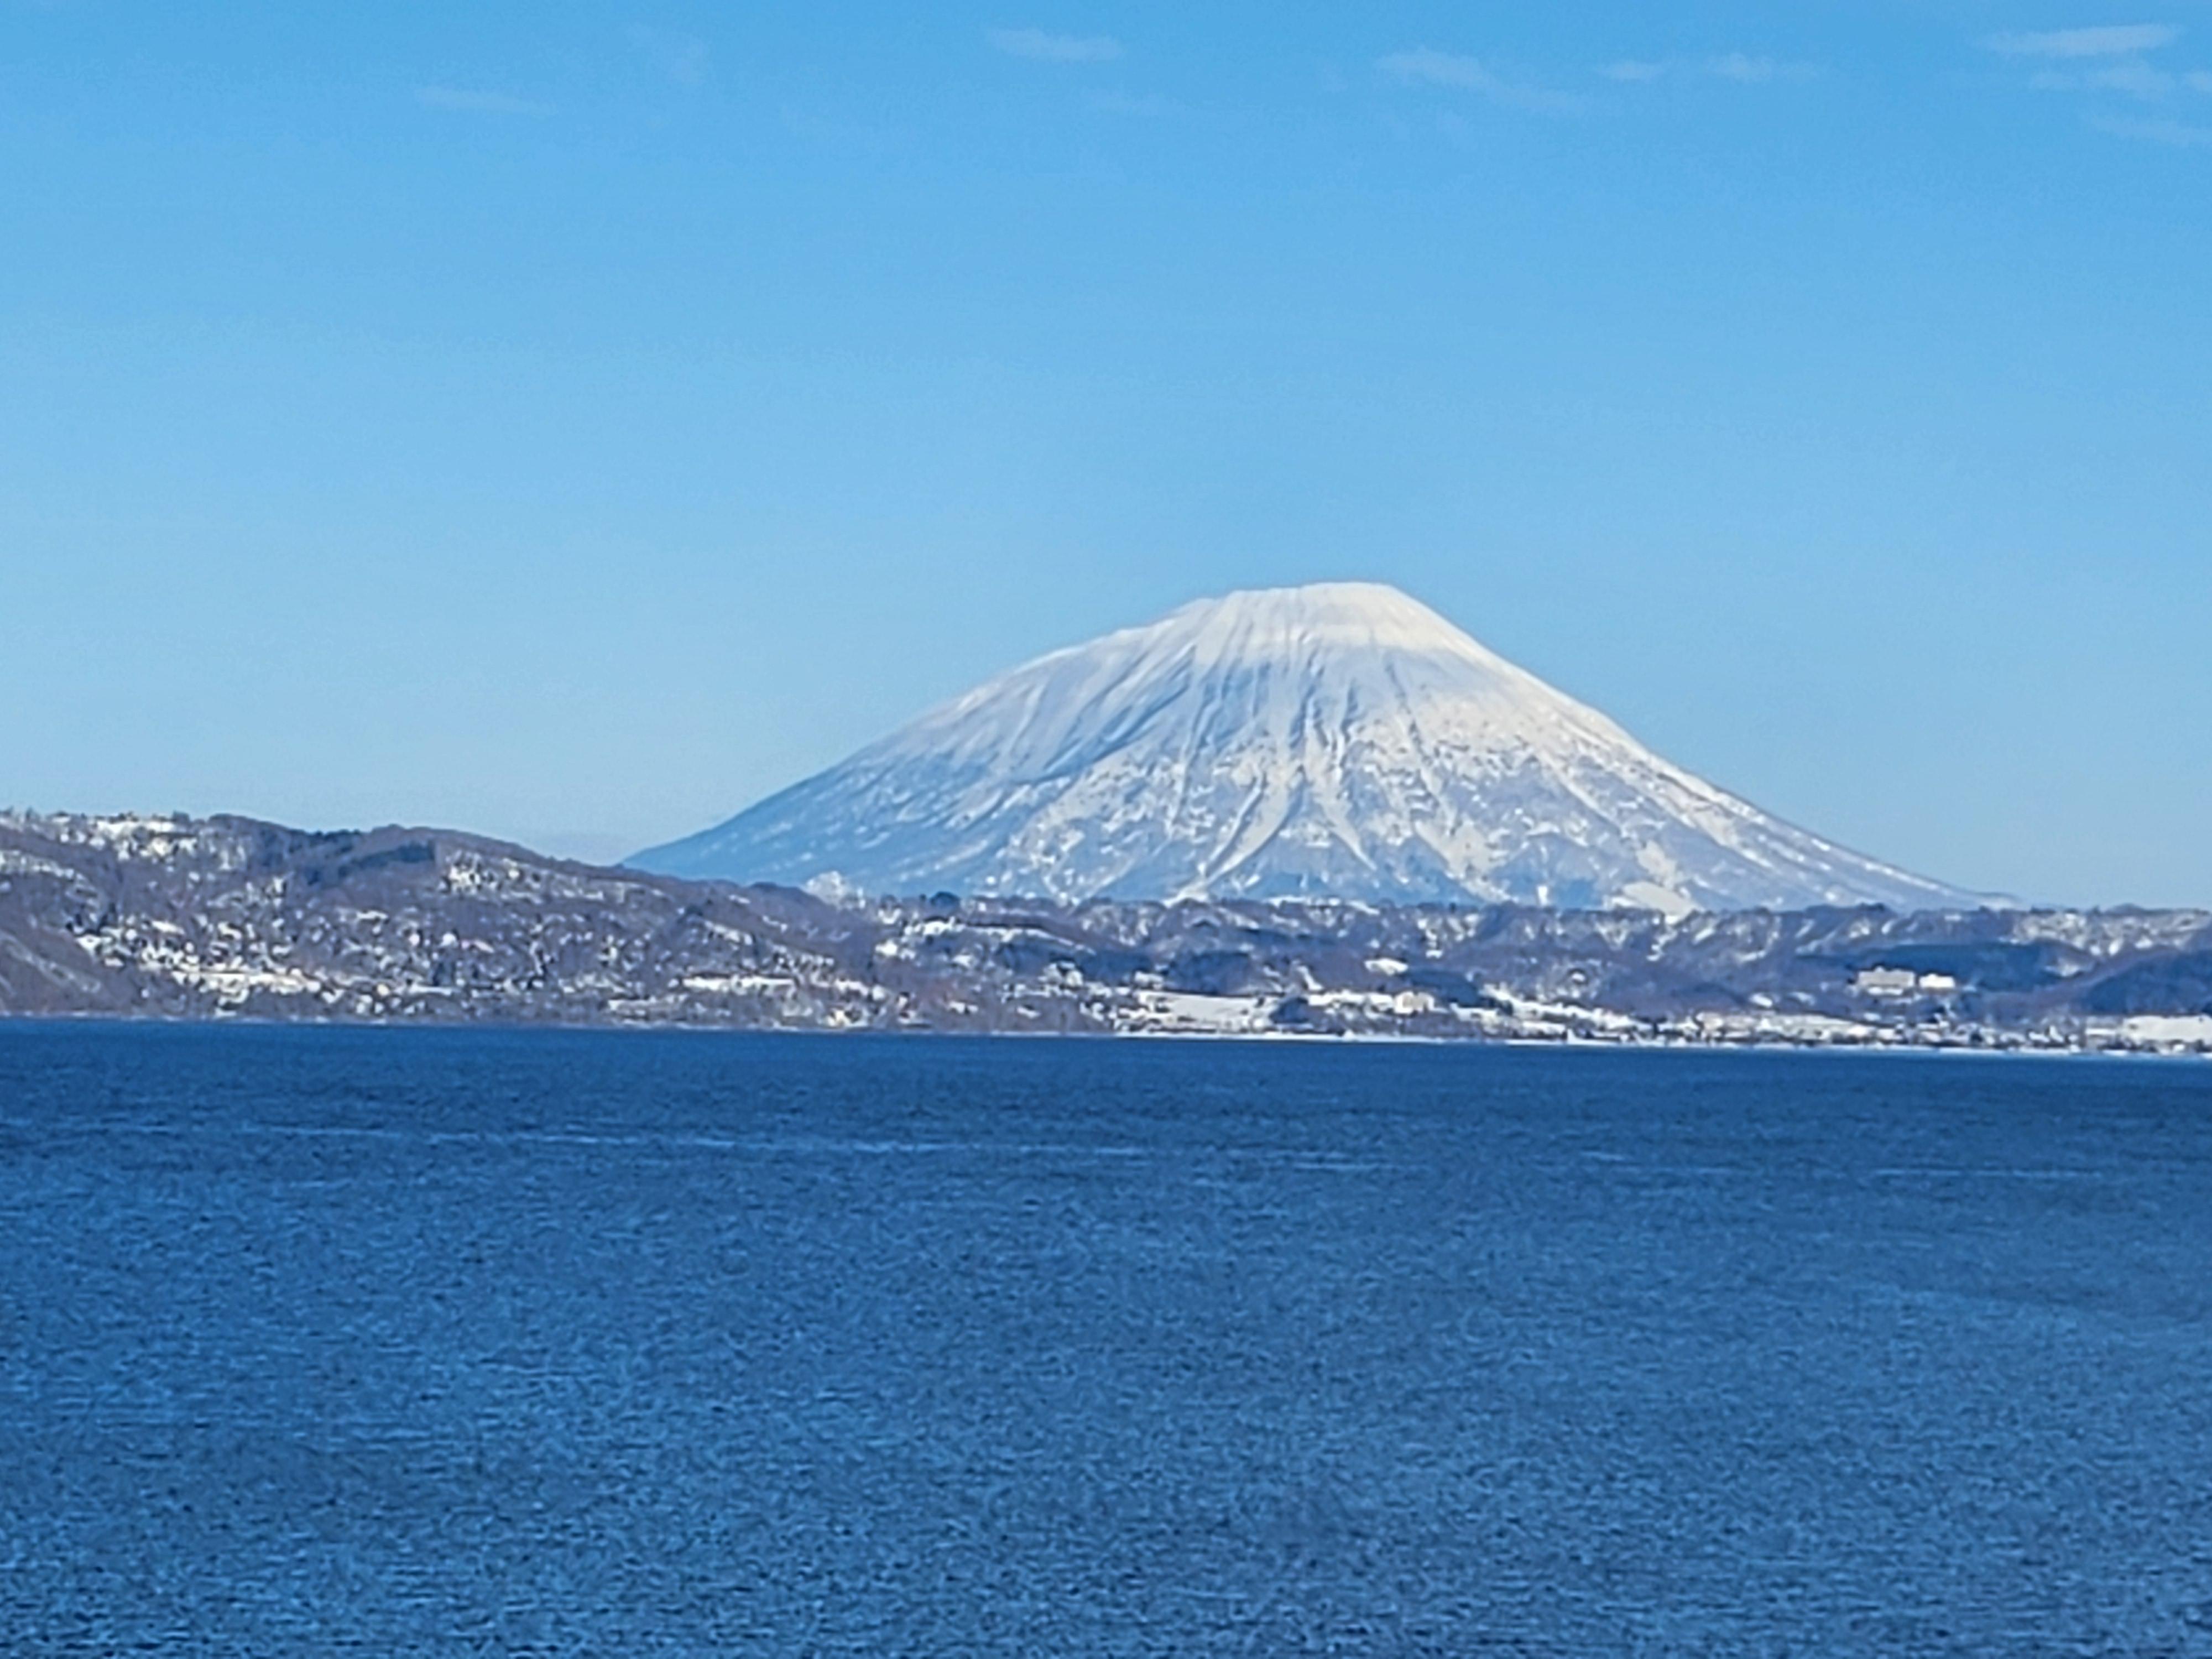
pixel 176 918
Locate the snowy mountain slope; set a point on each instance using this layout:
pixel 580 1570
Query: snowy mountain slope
pixel 1340 739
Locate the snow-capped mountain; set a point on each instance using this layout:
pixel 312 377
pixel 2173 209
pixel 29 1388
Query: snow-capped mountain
pixel 1341 739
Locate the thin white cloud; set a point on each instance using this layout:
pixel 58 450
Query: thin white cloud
pixel 2130 75
pixel 479 103
pixel 2108 40
pixel 1045 48
pixel 683 58
pixel 2096 63
pixel 2178 134
pixel 2135 78
pixel 1741 67
pixel 1424 65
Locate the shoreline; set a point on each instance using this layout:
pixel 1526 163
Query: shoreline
pixel 12 1020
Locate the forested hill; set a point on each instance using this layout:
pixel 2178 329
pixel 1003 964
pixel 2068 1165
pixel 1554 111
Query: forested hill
pixel 196 918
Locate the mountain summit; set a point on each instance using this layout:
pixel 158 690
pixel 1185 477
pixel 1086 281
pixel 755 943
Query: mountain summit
pixel 1337 740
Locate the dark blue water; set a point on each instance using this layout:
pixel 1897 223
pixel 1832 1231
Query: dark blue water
pixel 320 1342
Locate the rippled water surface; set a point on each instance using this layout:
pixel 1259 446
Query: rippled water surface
pixel 435 1343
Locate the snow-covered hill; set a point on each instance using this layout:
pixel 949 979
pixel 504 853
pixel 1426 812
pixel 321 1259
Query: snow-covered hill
pixel 175 918
pixel 1340 739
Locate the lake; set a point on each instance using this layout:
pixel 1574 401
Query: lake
pixel 395 1342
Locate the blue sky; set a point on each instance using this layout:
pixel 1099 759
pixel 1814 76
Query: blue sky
pixel 571 420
